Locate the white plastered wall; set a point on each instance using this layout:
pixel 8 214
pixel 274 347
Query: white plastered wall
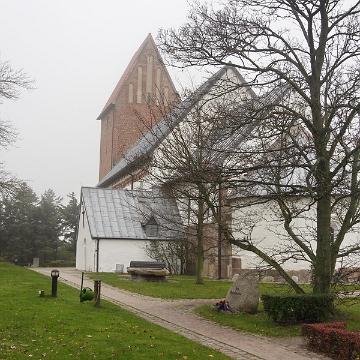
pixel 117 251
pixel 111 251
pixel 266 230
pixel 85 245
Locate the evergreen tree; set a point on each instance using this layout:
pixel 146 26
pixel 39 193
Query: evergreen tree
pixel 70 214
pixel 19 240
pixel 49 224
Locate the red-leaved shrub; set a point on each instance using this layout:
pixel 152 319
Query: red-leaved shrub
pixel 333 339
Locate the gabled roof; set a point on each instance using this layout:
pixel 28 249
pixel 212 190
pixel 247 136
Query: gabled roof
pixel 148 143
pixel 149 41
pixel 232 135
pixel 120 214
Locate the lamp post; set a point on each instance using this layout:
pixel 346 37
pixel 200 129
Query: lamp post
pixel 54 280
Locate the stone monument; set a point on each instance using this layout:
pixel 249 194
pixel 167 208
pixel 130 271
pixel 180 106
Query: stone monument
pixel 36 262
pixel 243 296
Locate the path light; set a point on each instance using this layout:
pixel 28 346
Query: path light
pixel 54 280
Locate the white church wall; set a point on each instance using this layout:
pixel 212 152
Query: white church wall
pixel 85 245
pixel 117 251
pixel 226 91
pixel 265 228
pixel 141 184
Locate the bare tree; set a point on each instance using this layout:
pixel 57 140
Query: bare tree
pixel 11 83
pixel 175 254
pixel 182 162
pixel 312 48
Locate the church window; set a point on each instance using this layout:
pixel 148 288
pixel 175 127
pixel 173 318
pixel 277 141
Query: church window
pixel 149 77
pixel 139 86
pixel 158 84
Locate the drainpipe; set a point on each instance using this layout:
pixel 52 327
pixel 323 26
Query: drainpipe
pixel 97 255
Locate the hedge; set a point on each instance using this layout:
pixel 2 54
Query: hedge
pixel 60 263
pixel 333 339
pixel 306 308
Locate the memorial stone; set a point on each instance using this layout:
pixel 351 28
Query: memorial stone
pixel 243 296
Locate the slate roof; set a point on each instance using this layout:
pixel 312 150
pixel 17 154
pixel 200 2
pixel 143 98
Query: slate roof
pixel 148 143
pixel 227 140
pixel 121 214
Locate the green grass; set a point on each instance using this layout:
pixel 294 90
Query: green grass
pixel 349 311
pixel 346 310
pixel 64 328
pixel 177 287
pixel 184 287
pixel 258 323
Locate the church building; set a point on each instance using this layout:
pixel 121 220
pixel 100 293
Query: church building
pixel 125 213
pixel 112 227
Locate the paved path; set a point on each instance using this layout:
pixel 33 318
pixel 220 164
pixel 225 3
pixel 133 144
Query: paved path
pixel 177 316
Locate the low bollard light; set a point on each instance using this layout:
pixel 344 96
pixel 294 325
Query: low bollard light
pixel 54 280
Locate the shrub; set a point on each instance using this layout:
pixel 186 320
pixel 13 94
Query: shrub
pixel 309 308
pixel 333 339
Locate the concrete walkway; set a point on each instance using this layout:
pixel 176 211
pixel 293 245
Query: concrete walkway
pixel 177 316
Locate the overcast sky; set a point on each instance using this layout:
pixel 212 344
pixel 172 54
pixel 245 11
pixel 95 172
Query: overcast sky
pixel 76 51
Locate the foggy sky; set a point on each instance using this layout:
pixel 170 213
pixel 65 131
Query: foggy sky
pixel 76 51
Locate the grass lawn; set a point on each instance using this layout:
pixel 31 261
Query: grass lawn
pixel 184 287
pixel 177 287
pixel 64 328
pixel 347 310
pixel 257 324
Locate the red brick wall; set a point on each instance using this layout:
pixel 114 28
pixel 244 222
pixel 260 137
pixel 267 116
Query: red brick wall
pixel 128 121
pixel 106 144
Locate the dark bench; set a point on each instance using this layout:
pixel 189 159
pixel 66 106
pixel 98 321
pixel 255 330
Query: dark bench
pixel 148 264
pixel 147 270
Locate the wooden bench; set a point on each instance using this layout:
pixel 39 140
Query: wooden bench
pixel 147 270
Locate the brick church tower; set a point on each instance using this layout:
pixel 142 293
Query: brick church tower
pixel 134 104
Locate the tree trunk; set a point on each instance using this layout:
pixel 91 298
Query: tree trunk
pixel 323 264
pixel 200 244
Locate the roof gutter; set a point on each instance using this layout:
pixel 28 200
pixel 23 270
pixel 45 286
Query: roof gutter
pixel 147 239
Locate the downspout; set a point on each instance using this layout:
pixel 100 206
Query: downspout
pixel 97 255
